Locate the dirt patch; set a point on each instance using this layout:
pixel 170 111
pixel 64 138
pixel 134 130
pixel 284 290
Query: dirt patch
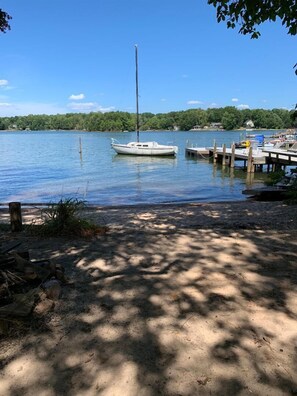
pixel 185 300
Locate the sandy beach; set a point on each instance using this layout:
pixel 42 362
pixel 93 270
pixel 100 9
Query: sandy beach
pixel 190 299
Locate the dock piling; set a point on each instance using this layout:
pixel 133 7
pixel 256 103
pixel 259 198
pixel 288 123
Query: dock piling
pixel 250 166
pixel 224 155
pixel 215 152
pixel 232 161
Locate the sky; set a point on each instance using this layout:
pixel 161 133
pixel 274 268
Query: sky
pixel 64 56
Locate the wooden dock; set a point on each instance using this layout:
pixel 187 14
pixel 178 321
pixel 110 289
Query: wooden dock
pixel 283 157
pixel 252 158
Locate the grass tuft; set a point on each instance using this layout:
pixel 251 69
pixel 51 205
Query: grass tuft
pixel 64 219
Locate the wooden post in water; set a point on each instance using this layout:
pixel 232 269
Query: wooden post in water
pixel 15 213
pixel 232 161
pixel 215 152
pixel 80 146
pixel 250 166
pixel 80 149
pixel 224 155
pixel 249 179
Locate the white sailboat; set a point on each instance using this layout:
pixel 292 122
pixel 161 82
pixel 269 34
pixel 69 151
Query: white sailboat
pixel 142 148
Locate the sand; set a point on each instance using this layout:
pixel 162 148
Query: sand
pixel 192 299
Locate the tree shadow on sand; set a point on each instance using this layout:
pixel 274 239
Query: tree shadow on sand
pixel 181 312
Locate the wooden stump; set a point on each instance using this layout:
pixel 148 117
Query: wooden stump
pixel 15 212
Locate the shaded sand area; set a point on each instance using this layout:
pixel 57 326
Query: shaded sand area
pixel 196 299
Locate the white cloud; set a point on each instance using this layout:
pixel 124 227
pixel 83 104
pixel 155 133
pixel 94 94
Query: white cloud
pixel 243 106
pixel 20 109
pixel 4 85
pixel 194 102
pixel 234 99
pixel 89 106
pixel 213 104
pixel 77 97
pixel 163 100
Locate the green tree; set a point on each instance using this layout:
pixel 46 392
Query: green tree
pixel 285 117
pixel 250 13
pixel 229 121
pixel 189 118
pixel 232 118
pixel 4 21
pixel 215 114
pixel 260 118
pixel 2 125
pixel 293 118
pixel 152 123
pixel 274 121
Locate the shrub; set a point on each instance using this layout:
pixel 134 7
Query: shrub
pixel 63 219
pixel 291 193
pixel 275 177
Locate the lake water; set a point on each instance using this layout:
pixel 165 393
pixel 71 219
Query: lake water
pixel 41 167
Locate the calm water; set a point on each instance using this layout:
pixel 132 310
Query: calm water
pixel 47 166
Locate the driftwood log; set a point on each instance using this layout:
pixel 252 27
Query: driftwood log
pixel 23 281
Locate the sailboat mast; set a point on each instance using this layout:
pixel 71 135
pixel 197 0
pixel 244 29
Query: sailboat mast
pixel 137 107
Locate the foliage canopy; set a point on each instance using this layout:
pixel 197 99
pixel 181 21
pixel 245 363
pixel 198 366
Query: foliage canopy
pixel 228 117
pixel 4 21
pixel 250 13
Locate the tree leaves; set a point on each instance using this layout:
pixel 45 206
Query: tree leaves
pixel 4 21
pixel 250 13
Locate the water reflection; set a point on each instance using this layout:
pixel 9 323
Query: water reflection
pixel 42 166
pixel 132 160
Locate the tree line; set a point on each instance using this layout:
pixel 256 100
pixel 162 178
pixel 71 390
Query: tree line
pixel 228 118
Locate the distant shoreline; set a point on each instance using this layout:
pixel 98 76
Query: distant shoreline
pixel 144 131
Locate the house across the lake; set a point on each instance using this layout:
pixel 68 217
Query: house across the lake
pixel 213 126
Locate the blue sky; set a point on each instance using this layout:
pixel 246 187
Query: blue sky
pixel 78 56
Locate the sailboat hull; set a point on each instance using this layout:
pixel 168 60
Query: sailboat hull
pixel 145 148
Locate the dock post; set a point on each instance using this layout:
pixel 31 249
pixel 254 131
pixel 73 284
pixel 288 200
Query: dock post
pixel 232 162
pixel 231 175
pixel 215 152
pixel 250 166
pixel 224 155
pixel 80 148
pixel 249 179
pixel 15 213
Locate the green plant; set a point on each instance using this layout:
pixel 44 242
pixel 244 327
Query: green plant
pixel 291 193
pixel 62 214
pixel 275 177
pixel 64 219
